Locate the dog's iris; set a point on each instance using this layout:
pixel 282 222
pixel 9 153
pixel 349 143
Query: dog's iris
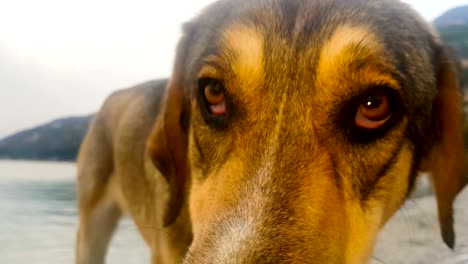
pixel 214 95
pixel 374 111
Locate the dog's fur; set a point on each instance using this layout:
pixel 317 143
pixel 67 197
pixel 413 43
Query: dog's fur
pixel 283 177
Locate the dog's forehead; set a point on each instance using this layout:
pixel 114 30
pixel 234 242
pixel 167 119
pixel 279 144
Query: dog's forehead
pixel 306 18
pixel 310 23
pixel 291 36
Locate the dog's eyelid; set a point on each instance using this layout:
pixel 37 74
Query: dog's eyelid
pixel 208 71
pixel 385 87
pixel 212 66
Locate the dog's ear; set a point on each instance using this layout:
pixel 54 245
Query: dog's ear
pixel 167 143
pixel 445 159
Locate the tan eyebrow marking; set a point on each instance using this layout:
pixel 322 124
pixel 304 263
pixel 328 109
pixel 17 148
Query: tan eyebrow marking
pixel 347 35
pixel 243 47
pixel 347 45
pixel 335 52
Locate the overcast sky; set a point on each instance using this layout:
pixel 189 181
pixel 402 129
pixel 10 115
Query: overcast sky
pixel 61 57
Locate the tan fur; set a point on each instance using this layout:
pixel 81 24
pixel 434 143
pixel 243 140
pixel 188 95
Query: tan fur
pixel 245 45
pixel 336 57
pixel 346 35
pixel 285 177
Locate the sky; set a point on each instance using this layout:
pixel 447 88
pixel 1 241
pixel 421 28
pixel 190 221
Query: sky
pixel 62 58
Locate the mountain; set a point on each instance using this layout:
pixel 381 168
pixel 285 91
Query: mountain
pixel 457 37
pixel 453 28
pixel 454 16
pixel 57 140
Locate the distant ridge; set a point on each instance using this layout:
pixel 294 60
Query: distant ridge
pixel 58 140
pixel 454 16
pixel 453 28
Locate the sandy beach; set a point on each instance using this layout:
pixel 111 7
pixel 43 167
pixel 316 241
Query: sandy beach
pixel 412 235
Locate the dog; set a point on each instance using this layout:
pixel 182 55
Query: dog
pixel 288 132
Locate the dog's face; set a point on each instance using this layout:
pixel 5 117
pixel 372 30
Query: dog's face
pixel 301 125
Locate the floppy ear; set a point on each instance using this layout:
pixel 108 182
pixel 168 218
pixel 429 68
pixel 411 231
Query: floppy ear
pixel 167 143
pixel 445 159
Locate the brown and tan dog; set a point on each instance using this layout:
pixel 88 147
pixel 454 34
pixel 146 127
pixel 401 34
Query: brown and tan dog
pixel 289 132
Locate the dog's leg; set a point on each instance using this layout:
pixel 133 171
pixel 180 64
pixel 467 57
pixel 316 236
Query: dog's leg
pixel 98 208
pixel 95 232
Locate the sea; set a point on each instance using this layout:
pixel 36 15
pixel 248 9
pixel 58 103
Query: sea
pixel 39 217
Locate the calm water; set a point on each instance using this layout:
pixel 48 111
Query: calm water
pixel 38 217
pixel 38 223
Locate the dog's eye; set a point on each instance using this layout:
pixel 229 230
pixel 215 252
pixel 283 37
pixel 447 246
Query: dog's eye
pixel 213 91
pixel 369 116
pixel 374 110
pixel 213 102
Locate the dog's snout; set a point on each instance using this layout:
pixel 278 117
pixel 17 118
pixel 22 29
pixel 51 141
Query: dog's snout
pixel 244 241
pixel 268 223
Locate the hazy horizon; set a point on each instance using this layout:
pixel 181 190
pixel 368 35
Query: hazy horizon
pixel 62 58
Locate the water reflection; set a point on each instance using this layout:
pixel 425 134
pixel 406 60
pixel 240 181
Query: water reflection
pixel 38 217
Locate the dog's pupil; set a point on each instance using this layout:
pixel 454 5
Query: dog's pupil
pixel 214 92
pixel 374 101
pixel 215 88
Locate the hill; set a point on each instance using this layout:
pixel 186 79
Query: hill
pixel 454 16
pixel 57 140
pixel 453 28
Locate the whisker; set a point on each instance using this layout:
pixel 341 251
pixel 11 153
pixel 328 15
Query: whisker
pixel 378 259
pixel 159 230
